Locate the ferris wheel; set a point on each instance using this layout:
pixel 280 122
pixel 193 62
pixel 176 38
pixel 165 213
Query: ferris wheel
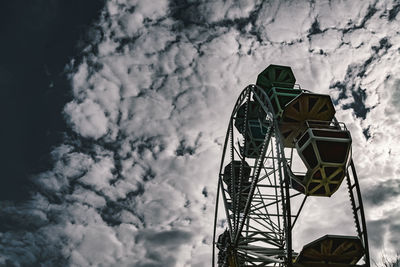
pixel 274 122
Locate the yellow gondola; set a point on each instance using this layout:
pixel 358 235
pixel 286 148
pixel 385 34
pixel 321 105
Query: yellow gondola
pixel 325 150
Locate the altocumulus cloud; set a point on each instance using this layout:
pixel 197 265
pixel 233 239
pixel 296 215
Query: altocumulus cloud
pixel 134 184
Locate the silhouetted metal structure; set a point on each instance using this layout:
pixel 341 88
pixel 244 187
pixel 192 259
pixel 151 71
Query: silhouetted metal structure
pixel 270 121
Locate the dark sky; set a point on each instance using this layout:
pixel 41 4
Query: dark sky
pixel 38 38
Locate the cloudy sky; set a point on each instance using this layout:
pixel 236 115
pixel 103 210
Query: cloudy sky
pixel 114 115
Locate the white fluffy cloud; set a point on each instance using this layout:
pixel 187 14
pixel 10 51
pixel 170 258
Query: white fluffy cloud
pixel 152 102
pixel 87 118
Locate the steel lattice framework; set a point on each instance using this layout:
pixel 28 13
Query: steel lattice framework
pixel 259 213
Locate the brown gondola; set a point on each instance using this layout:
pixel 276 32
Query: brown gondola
pixel 306 106
pixel 331 250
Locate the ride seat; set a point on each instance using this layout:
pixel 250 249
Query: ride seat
pixel 280 97
pixel 245 183
pixel 331 250
pixel 326 152
pixel 305 107
pixel 276 75
pixel 255 130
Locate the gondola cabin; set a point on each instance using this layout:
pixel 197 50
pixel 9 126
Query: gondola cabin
pixel 254 130
pixel 331 251
pixel 276 76
pixel 305 107
pixel 280 97
pixel 237 174
pixel 325 150
pixel 278 84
